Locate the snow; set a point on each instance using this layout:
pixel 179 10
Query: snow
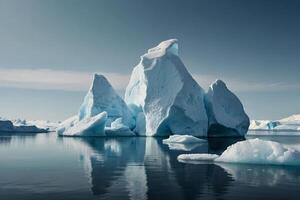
pixel 225 112
pixel 102 97
pixel 288 124
pixel 184 139
pixel 169 99
pixel 252 151
pixel 8 126
pixel 89 126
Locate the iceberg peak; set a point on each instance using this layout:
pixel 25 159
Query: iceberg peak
pixel 165 47
pixel 99 81
pixel 167 98
pixel 102 97
pixel 218 83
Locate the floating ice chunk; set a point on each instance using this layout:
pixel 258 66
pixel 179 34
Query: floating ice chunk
pixel 253 151
pixel 225 112
pixel 165 92
pixel 183 147
pixel 89 126
pixel 184 139
pixel 197 157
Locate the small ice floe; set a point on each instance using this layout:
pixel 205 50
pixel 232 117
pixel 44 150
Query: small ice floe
pixel 183 139
pixel 253 151
pixel 183 142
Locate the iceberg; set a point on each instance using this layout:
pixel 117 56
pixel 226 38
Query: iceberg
pixel 102 97
pixel 225 112
pixel 102 113
pixel 89 126
pixel 252 151
pixel 183 139
pixel 164 96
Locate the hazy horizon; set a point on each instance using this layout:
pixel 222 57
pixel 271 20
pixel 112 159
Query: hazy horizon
pixel 50 50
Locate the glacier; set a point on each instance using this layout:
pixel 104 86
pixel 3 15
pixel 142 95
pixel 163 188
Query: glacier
pixel 252 151
pixel 225 112
pixel 164 96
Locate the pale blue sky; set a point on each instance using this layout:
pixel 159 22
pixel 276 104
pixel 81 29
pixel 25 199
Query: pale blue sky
pixel 50 49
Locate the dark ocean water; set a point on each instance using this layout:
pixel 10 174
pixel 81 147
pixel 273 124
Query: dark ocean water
pixel 45 166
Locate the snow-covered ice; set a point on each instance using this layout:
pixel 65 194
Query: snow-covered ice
pixel 164 92
pixel 252 151
pixel 225 112
pixel 89 126
pixel 183 139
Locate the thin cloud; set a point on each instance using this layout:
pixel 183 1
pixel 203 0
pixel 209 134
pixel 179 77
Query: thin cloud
pixel 245 86
pixel 49 79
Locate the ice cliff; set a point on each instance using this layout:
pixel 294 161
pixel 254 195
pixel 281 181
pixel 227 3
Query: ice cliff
pixel 165 97
pixel 225 112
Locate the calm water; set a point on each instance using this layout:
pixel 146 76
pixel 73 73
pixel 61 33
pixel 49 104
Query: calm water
pixel 45 166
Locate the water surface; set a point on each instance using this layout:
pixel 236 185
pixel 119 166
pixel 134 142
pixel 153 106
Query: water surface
pixel 45 166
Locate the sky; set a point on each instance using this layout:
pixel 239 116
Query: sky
pixel 49 50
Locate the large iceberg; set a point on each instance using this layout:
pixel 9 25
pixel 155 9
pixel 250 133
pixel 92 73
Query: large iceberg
pixel 162 99
pixel 164 96
pixel 252 151
pixel 102 113
pixel 225 112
